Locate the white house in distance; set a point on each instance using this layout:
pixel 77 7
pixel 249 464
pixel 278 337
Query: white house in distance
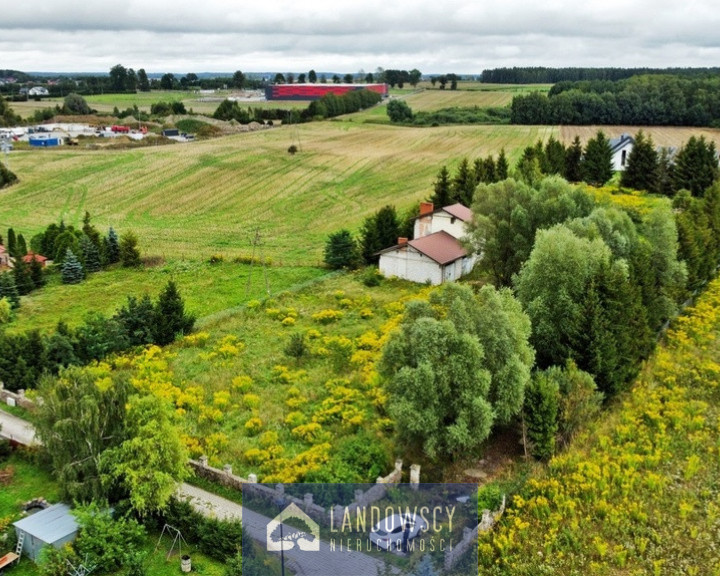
pixel 621 148
pixel 435 255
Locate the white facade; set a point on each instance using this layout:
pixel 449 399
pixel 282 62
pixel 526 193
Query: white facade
pixel 437 221
pixel 407 263
pixel 621 148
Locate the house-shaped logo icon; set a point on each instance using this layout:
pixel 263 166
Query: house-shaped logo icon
pixel 283 537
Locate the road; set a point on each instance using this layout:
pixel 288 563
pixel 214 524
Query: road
pixel 324 562
pixel 16 429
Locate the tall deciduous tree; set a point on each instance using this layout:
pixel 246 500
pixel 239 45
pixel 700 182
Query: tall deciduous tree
pixel 152 460
pixel 82 415
pixel 143 81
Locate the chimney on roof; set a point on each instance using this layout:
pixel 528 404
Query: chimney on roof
pixel 402 240
pixel 426 208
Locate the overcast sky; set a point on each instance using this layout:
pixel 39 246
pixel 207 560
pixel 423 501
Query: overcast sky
pixel 460 36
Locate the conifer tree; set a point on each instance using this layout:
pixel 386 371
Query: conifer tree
pixel 9 290
pixel 21 246
pixel 170 316
pixel 441 188
pixel 11 242
pixel 553 157
pixel 111 247
pixel 463 184
pixel 501 167
pixel 72 271
pixel 641 171
pixel 696 166
pixel 23 281
pixel 90 254
pixel 341 251
pixel 573 158
pixel 37 274
pixel 129 253
pixel 596 165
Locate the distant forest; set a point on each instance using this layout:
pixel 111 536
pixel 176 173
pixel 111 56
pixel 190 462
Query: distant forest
pixel 541 75
pixel 648 100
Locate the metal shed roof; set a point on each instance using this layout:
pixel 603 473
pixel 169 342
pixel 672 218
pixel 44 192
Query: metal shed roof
pixel 49 525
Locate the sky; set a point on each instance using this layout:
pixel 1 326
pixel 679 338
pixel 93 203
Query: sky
pixel 460 36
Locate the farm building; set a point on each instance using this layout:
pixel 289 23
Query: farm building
pixel 317 91
pixel 436 254
pixel 621 148
pixel 45 140
pixel 53 526
pixel 30 256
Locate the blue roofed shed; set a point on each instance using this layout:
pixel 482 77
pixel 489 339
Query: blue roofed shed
pixel 53 526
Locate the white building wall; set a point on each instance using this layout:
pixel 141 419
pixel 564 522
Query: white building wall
pixel 453 226
pixel 617 159
pixel 410 265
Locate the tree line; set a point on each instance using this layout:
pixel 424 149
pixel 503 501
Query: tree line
pixel 543 75
pixel 581 290
pixel 641 100
pixel 26 357
pixel 74 252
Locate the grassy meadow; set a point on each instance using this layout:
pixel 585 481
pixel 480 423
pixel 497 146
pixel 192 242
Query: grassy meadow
pixel 191 201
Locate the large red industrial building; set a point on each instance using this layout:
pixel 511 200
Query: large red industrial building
pixel 317 91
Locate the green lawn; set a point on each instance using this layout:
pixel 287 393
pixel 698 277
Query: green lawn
pixel 206 288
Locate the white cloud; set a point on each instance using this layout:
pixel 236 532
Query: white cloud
pixel 455 35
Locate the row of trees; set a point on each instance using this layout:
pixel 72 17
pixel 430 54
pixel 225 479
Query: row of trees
pixel 582 291
pixel 641 100
pixel 461 186
pixel 378 231
pixel 542 75
pixel 26 357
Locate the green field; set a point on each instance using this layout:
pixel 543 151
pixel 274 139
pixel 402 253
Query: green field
pixel 191 201
pixel 206 288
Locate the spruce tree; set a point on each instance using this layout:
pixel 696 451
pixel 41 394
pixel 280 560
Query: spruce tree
pixel 37 274
pixel 596 165
pixel 111 247
pixel 21 246
pixel 641 171
pixel 381 230
pixel 573 159
pixel 23 281
pixel 501 167
pixel 554 157
pixel 90 254
pixel 9 290
pixel 441 189
pixel 541 414
pixel 341 251
pixel 90 230
pixel 696 166
pixel 138 319
pixel 170 316
pixel 11 242
pixel 72 271
pixel 490 170
pixel 463 184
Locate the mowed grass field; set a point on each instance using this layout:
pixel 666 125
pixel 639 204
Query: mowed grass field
pixel 190 201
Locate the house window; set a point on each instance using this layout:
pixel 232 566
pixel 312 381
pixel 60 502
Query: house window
pixel 452 220
pixel 623 157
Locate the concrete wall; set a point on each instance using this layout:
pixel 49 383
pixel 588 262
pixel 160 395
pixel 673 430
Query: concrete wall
pixel 444 221
pixel 15 398
pixel 409 264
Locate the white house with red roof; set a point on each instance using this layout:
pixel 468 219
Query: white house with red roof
pixel 435 255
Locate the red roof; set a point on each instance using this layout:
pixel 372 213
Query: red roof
pixel 30 256
pixel 439 246
pixel 460 212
